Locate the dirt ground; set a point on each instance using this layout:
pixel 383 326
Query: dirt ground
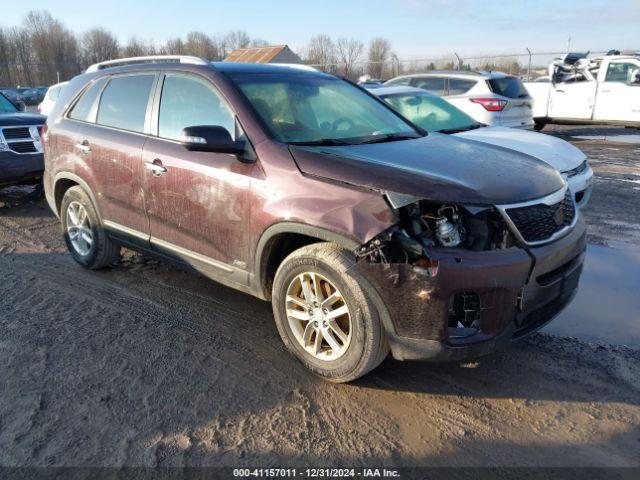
pixel 143 364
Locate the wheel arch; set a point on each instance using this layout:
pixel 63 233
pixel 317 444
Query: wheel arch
pixel 279 240
pixel 64 181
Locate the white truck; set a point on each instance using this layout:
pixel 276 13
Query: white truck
pixel 582 90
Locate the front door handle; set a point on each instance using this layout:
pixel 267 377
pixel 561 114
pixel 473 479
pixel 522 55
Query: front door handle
pixel 84 147
pixel 605 91
pixel 155 167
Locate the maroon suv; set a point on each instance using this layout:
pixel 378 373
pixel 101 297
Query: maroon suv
pixel 366 232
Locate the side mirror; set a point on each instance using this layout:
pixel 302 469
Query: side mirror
pixel 210 138
pixel 21 106
pixel 634 77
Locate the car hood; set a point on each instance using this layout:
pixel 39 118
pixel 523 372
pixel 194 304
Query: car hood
pixel 15 119
pixel 559 154
pixel 435 167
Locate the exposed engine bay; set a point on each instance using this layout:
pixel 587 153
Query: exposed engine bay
pixel 425 228
pixel 425 225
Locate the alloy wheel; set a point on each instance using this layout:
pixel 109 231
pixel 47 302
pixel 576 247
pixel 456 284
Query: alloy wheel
pixel 318 316
pixel 79 228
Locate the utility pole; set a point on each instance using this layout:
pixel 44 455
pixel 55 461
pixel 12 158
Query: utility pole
pixel 529 68
pixel 569 44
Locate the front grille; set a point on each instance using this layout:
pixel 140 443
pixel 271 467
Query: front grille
pixel 22 139
pixel 576 171
pixel 23 147
pixel 16 133
pixel 540 222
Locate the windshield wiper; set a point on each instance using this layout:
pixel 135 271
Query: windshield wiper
pixel 389 137
pixel 323 141
pixel 462 129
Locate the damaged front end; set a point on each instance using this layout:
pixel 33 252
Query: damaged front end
pixel 447 273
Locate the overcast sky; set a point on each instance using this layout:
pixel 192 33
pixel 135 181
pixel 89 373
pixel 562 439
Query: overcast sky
pixel 416 28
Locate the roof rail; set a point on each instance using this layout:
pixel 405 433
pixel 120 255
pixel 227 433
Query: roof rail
pixel 148 59
pixel 298 66
pixel 447 72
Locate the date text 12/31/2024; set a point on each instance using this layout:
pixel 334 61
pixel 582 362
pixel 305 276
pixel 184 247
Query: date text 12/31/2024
pixel 316 473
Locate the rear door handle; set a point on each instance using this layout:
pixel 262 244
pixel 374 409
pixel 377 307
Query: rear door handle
pixel 84 147
pixel 605 91
pixel 155 167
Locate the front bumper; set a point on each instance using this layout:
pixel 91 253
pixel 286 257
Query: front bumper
pixel 20 168
pixel 519 291
pixel 581 186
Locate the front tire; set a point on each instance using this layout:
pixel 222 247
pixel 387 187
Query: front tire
pixel 323 315
pixel 539 125
pixel 84 235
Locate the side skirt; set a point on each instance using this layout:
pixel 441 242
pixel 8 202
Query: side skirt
pixel 220 272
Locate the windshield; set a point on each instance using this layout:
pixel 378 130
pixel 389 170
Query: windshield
pixel 6 106
pixel 318 109
pixel 429 112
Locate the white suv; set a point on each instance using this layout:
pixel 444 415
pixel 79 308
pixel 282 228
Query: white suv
pixel 492 98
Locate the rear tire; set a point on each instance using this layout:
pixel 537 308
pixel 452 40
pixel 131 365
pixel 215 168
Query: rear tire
pixel 84 235
pixel 350 344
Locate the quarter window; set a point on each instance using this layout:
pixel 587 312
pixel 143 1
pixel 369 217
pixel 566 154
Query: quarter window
pixel 458 86
pixel 619 72
pixel 189 102
pixel 84 109
pixel 124 102
pixel 54 93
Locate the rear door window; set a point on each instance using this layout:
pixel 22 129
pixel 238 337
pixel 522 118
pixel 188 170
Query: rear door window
pixel 85 107
pixel 124 102
pixel 189 102
pixel 510 87
pixel 435 85
pixel 458 86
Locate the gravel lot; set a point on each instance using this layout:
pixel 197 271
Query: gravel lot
pixel 143 364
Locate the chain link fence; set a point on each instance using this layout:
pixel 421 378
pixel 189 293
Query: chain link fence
pixel 528 65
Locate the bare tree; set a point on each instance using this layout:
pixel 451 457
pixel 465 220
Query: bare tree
pixel 349 51
pixel 201 45
pixel 98 45
pixel 135 48
pixel 258 42
pixel 234 40
pixel 7 60
pixel 321 52
pixel 174 46
pixel 21 52
pixel 379 53
pixel 502 64
pixel 54 47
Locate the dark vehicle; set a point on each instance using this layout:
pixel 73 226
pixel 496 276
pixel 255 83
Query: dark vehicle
pixel 32 96
pixel 364 231
pixel 21 160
